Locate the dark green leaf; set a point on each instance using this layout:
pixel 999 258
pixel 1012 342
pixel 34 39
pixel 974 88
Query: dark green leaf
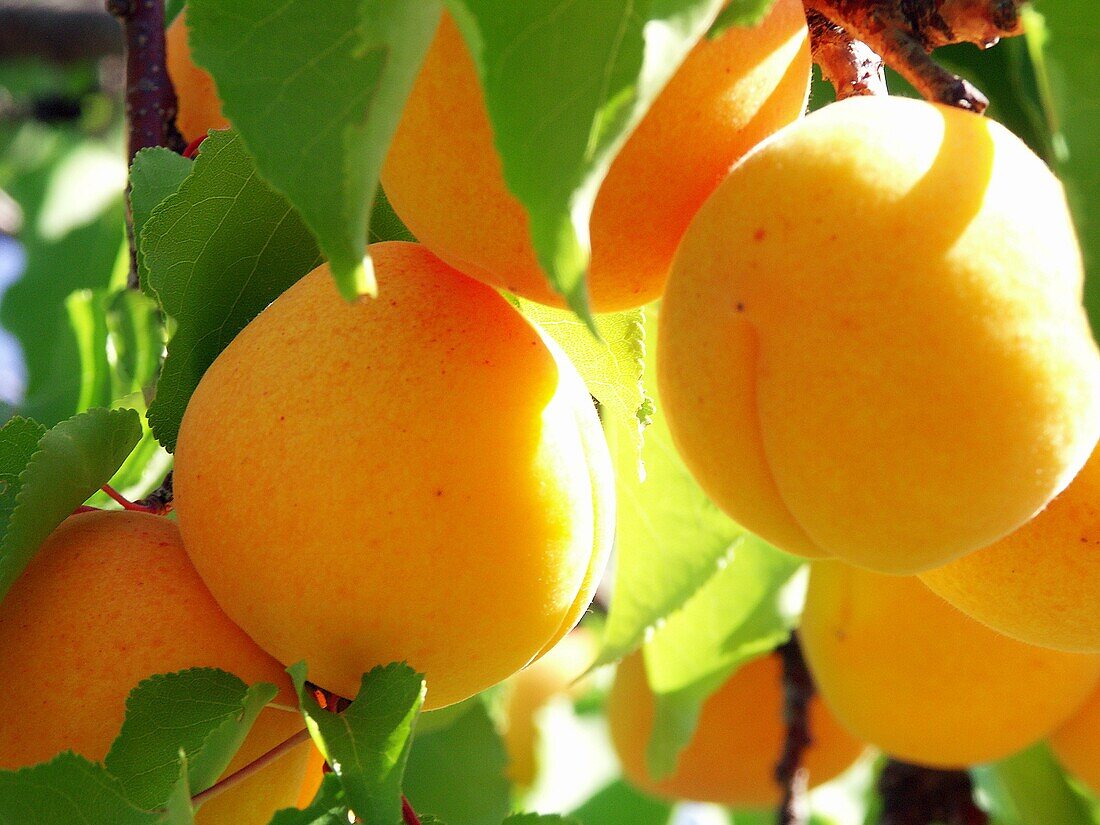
pixel 219 250
pixel 540 819
pixel 73 460
pixel 1031 788
pixel 328 807
pixel 740 13
pixel 618 803
pixel 154 175
pixel 471 790
pixel 384 223
pixel 204 712
pixel 316 91
pixel 368 744
pixel 564 85
pixel 68 790
pixel 18 442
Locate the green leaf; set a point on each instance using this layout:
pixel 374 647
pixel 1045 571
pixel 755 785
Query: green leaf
pixel 73 460
pixel 327 808
pixel 368 744
pixel 670 537
pixel 565 83
pixel 740 13
pixel 384 223
pixel 19 439
pixel 612 364
pixel 618 803
pixel 154 175
pixel 1067 63
pixel 472 790
pixel 316 91
pixel 178 807
pixel 540 819
pixel 1030 787
pixel 68 790
pixel 743 611
pixel 219 250
pixel 203 712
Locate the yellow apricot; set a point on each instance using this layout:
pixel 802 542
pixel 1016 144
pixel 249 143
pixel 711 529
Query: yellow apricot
pixel 730 93
pixel 199 108
pixel 109 600
pixel 1040 584
pixel 314 775
pixel 906 671
pixel 872 342
pixel 531 689
pixel 732 756
pixel 419 478
pixel 1077 743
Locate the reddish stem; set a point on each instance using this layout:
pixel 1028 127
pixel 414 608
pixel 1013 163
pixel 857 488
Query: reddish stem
pixel 251 768
pixel 126 503
pixel 407 812
pixel 85 508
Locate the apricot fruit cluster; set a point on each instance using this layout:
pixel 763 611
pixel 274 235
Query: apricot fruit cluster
pixel 114 599
pixel 422 478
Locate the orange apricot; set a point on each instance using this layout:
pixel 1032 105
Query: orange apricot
pixel 199 108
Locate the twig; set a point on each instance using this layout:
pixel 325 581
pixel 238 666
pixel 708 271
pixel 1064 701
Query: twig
pixel 850 65
pixel 407 812
pixel 160 500
pixel 798 690
pixel 300 738
pixel 904 32
pixel 58 33
pixel 916 795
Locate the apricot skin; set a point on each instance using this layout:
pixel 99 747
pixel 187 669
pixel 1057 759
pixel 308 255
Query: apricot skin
pixel 909 673
pixel 729 94
pixel 732 757
pixel 421 477
pixel 199 108
pixel 872 342
pixel 1077 743
pixel 109 600
pixel 1040 584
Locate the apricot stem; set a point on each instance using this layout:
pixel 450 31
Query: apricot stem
pixel 407 812
pixel 798 690
pixel 116 496
pixel 916 795
pixel 251 768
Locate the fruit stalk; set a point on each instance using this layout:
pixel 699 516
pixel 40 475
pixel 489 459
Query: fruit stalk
pixel 916 795
pixel 850 65
pixel 798 690
pixel 904 32
pixel 408 815
pixel 301 737
pixel 150 97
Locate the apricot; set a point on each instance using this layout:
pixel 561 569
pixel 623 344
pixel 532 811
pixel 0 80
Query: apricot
pixel 530 690
pixel 732 756
pixel 199 107
pixel 109 600
pixel 906 671
pixel 1040 584
pixel 729 94
pixel 418 478
pixel 1077 743
pixel 872 342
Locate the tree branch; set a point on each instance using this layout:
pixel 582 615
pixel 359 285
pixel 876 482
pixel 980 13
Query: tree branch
pixel 916 795
pixel 798 690
pixel 850 65
pixel 58 31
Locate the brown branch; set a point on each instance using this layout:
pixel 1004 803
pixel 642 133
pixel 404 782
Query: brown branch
pixel 300 738
pixel 798 690
pixel 916 795
pixel 850 65
pixel 58 32
pixel 904 32
pixel 160 500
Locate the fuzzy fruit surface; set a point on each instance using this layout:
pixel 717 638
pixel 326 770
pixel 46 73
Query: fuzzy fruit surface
pixel 200 109
pixel 1077 743
pixel 1040 584
pixel 914 676
pixel 532 689
pixel 109 600
pixel 872 343
pixel 729 94
pixel 732 756
pixel 421 477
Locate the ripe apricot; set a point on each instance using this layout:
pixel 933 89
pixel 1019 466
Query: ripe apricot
pixel 109 600
pixel 872 342
pixel 730 93
pixel 1077 743
pixel 911 674
pixel 199 108
pixel 530 690
pixel 419 478
pixel 1040 584
pixel 731 758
